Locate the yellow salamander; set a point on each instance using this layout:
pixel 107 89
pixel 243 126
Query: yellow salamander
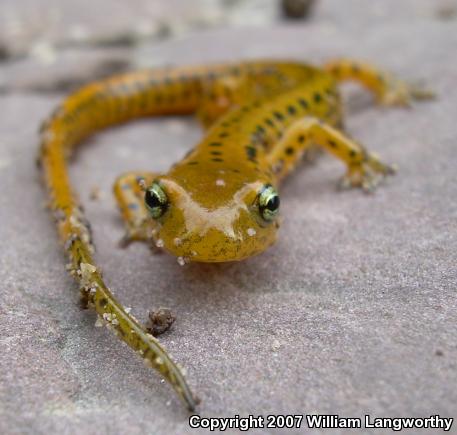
pixel 221 201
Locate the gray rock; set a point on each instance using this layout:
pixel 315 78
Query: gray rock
pixel 61 71
pixel 351 313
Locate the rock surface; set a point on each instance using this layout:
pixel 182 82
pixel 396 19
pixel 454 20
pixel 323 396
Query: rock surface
pixel 353 312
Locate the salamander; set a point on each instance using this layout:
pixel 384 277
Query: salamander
pixel 221 201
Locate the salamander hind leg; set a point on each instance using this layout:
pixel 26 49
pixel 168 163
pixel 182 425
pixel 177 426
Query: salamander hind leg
pixel 129 195
pixel 388 89
pixel 364 169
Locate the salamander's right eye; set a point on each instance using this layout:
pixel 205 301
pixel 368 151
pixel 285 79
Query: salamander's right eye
pixel 156 200
pixel 268 203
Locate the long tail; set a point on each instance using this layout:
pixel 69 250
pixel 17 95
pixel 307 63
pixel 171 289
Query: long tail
pixel 96 106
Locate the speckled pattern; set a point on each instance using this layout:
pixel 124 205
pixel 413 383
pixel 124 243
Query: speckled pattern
pixel 352 312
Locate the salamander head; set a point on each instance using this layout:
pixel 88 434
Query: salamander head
pixel 213 220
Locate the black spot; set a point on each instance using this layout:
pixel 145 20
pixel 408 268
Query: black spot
pixel 278 115
pixel 317 97
pixel 251 152
pixel 301 138
pixel 303 103
pixel 269 122
pixel 353 153
pixel 260 129
pixel 333 144
pixel 289 151
pixel 216 153
pixel 223 134
pixel 237 171
pixel 102 302
pixel 217 159
pixel 215 144
pixel 292 110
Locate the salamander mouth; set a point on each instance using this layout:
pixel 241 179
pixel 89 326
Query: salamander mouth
pixel 215 258
pixel 201 250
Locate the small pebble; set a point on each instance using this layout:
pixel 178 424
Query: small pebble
pixel 99 322
pixel 95 193
pixel 275 345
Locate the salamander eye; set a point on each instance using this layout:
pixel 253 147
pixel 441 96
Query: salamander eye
pixel 156 200
pixel 268 203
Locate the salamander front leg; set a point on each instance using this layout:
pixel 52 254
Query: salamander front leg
pixel 128 190
pixel 388 89
pixel 130 198
pixel 364 169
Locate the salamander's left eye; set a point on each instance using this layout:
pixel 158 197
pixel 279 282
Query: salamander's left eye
pixel 268 203
pixel 156 200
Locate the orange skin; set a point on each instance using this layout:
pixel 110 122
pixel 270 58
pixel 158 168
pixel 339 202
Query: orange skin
pixel 261 118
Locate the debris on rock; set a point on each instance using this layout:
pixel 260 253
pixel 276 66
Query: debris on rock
pixel 297 8
pixel 160 321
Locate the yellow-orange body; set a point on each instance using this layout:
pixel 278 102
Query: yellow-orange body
pixel 261 117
